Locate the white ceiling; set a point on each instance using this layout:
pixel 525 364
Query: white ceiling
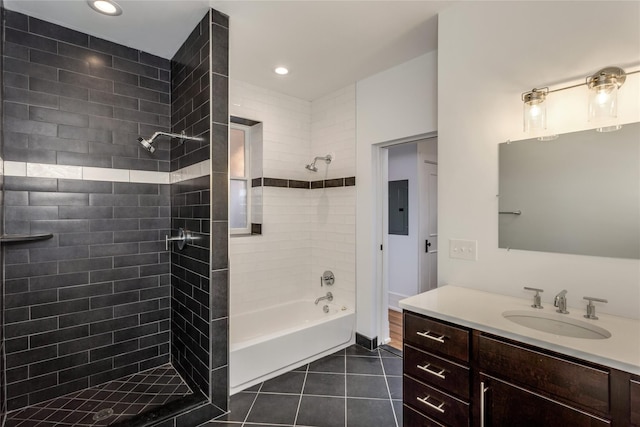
pixel 326 45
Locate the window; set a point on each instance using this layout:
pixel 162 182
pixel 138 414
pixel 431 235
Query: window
pixel 239 179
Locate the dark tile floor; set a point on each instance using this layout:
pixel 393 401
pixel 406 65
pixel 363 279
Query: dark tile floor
pixel 105 404
pixel 351 388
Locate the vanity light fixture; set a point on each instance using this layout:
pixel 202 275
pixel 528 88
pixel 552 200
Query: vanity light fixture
pixel 535 110
pixel 603 96
pixel 603 102
pixel 105 7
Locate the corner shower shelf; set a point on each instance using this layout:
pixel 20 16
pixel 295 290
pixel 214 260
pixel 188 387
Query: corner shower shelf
pixel 16 238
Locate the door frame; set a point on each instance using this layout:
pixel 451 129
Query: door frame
pixel 380 156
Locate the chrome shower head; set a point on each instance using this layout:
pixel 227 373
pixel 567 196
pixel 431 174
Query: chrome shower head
pixel 312 166
pixel 147 145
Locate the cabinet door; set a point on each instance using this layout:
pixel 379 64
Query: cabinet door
pixel 634 396
pixel 508 405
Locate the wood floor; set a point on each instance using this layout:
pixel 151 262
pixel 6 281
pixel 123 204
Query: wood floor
pixel 395 329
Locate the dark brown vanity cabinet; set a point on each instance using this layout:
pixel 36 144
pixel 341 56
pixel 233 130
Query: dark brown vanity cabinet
pixel 456 376
pixel 634 400
pixel 436 377
pixel 538 389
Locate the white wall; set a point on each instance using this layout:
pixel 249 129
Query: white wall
pixel 486 58
pixel 397 103
pixel 403 250
pixel 274 267
pixel 333 243
pixel 304 231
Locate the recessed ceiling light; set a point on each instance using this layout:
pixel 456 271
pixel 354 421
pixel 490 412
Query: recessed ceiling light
pixel 106 7
pixel 282 71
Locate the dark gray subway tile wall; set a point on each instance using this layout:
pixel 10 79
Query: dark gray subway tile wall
pixel 3 402
pixel 92 303
pixel 200 299
pixel 219 294
pixel 74 99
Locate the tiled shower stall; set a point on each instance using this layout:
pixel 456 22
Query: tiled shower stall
pixel 103 298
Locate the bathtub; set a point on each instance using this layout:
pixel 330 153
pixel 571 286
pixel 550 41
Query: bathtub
pixel 266 343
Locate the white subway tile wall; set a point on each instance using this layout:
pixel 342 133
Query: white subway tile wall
pixel 304 232
pixel 286 128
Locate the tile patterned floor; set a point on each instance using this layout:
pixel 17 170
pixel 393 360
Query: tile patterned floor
pixel 127 397
pixel 351 388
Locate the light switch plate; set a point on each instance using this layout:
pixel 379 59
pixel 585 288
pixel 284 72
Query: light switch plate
pixel 463 249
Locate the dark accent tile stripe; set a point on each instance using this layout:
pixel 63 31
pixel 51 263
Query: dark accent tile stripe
pixel 299 184
pixel 292 183
pixel 332 183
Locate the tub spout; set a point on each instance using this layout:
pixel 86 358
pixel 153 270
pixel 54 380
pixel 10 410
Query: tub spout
pixel 329 297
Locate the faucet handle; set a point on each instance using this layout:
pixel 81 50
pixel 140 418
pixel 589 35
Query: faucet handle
pixel 536 298
pixel 591 309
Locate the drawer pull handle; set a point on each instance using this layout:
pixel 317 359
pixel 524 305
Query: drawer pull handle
pixel 429 371
pixel 440 339
pixel 431 405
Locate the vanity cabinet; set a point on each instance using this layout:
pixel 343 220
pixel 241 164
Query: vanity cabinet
pixel 634 401
pixel 537 388
pixel 436 376
pixel 457 376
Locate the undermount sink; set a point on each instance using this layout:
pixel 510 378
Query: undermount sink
pixel 557 324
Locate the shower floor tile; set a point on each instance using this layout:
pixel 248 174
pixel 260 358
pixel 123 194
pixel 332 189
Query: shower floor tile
pixel 119 400
pixel 351 388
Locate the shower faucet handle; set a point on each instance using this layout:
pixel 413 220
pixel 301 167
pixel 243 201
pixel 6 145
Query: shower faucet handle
pixel 327 278
pixel 183 238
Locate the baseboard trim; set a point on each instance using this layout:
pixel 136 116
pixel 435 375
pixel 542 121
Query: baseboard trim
pixel 366 342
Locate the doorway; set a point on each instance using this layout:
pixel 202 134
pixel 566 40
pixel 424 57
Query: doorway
pixel 409 229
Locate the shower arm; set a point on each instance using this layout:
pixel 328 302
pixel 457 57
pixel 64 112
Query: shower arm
pixel 327 159
pixel 182 135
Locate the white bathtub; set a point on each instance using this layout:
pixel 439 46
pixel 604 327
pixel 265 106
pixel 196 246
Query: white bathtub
pixel 265 343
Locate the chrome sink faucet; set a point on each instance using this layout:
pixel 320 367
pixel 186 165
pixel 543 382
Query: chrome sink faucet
pixel 560 301
pixel 329 297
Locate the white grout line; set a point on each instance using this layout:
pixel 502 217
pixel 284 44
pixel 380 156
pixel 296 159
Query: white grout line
pixel 393 410
pixel 346 399
pixel 295 420
pixel 252 403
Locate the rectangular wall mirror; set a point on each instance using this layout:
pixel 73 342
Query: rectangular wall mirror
pixel 578 194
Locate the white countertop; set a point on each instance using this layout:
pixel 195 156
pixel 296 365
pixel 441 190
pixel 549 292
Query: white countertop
pixel 483 311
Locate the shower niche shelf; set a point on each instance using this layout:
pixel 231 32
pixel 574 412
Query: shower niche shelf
pixel 19 238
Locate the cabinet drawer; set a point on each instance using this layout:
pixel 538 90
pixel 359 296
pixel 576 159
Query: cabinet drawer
pixel 433 370
pixel 586 386
pixel 413 418
pixel 634 392
pixel 435 404
pixel 437 337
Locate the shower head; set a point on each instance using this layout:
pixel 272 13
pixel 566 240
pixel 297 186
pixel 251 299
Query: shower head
pixel 146 144
pixel 312 166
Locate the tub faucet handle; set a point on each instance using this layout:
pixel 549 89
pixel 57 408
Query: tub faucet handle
pixel 537 303
pixel 591 309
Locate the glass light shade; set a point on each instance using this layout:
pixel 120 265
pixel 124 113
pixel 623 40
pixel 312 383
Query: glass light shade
pixel 535 116
pixel 603 102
